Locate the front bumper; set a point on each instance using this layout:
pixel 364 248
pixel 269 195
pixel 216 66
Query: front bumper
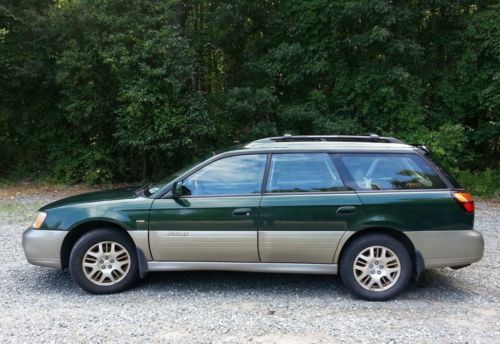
pixel 43 247
pixel 448 248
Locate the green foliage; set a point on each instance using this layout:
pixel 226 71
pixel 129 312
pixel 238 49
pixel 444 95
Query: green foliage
pixel 126 85
pixel 480 183
pixel 91 165
pixel 127 90
pixel 448 144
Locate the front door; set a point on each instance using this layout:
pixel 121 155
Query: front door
pixel 305 209
pixel 217 219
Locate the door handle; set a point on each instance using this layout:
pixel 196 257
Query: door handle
pixel 346 210
pixel 242 212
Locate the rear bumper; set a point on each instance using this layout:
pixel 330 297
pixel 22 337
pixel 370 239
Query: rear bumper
pixel 448 248
pixel 43 247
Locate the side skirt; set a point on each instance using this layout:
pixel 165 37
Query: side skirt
pixel 330 269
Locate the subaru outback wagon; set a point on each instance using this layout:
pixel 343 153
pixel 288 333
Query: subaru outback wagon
pixel 372 209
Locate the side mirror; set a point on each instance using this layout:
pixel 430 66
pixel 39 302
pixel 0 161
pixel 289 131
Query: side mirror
pixel 177 189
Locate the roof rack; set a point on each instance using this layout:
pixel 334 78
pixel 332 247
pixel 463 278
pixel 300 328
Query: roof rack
pixel 330 138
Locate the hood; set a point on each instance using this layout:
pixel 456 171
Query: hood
pixel 99 196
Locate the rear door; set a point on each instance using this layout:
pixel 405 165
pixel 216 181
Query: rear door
pixel 305 210
pixel 217 220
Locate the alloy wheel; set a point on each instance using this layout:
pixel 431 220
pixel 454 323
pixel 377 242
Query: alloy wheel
pixel 377 268
pixel 106 263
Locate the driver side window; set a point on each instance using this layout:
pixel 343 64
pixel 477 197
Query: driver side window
pixel 235 175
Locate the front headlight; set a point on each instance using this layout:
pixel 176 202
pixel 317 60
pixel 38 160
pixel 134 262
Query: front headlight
pixel 40 217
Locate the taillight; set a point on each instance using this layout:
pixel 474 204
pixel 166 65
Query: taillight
pixel 465 200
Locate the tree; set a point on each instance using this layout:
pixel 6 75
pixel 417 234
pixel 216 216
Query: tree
pixel 126 77
pixel 116 90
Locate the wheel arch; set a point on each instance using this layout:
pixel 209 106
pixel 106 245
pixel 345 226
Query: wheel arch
pixel 83 228
pixel 416 257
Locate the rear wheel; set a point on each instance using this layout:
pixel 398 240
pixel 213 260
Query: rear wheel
pixel 104 261
pixel 375 267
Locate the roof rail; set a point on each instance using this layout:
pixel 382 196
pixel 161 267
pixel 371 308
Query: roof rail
pixel 330 138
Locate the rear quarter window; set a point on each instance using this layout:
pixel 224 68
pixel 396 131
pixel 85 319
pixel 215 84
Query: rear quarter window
pixel 444 171
pixel 388 171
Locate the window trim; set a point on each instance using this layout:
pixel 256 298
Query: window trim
pixel 354 186
pixel 266 174
pixel 401 191
pixel 334 154
pixel 308 193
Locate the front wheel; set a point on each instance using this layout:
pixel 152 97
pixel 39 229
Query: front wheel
pixel 104 261
pixel 375 267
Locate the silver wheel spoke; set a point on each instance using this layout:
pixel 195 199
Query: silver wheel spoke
pixel 92 254
pixel 103 277
pixel 123 264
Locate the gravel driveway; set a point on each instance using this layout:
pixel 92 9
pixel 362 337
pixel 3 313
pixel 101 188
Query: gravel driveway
pixel 43 305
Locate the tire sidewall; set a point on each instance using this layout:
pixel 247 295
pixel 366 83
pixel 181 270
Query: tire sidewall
pixel 357 246
pixel 87 241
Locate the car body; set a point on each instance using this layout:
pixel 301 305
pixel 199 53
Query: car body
pixel 298 204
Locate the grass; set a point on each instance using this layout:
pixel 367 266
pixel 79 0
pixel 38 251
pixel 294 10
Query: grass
pixel 18 212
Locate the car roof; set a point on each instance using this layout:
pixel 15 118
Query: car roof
pixel 356 143
pixel 340 146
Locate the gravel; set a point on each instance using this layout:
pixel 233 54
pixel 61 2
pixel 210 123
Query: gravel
pixel 44 305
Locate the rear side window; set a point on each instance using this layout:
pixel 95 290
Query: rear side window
pixel 390 172
pixel 311 172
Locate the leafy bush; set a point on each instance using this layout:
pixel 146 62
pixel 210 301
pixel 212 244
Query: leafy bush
pixel 480 183
pixel 89 165
pixel 449 144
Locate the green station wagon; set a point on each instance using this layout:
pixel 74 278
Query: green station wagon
pixel 372 209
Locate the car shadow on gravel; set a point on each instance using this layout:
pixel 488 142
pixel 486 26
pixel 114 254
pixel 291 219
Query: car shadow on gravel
pixel 241 282
pixel 431 285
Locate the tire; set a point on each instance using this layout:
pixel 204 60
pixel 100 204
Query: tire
pixel 110 258
pixel 364 271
